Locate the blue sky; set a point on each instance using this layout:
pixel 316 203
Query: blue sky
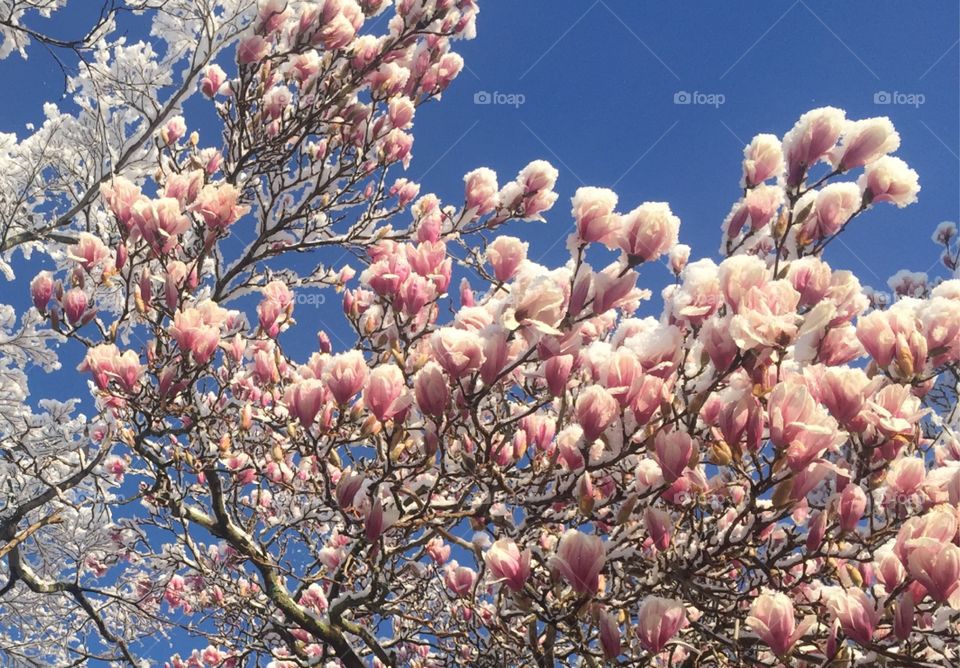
pixel 598 80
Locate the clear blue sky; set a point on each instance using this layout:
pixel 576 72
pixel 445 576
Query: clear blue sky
pixel 598 81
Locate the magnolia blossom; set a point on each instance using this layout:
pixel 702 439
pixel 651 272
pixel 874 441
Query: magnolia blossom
pixel 936 566
pixel 579 560
pixel 762 159
pixel 659 619
pixel 772 619
pixel 508 564
pixel 857 614
pixel 345 375
pixel 106 363
pixel 621 478
pixel 648 232
pixel 431 389
pixel 505 255
pixel 212 80
pixel 459 579
pixel 593 213
pixel 810 141
pixel 481 191
pixel 889 179
pixel 197 330
pixel 75 303
pixel 865 141
pixel 218 207
pixel 89 251
pixel 385 392
pixel 832 208
pixel 158 222
pixel 41 290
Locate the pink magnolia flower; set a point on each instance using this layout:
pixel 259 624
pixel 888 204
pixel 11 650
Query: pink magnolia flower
pixel 936 565
pixel 306 399
pixel 939 523
pixel 438 550
pixel 345 375
pixel 252 49
pixel 212 80
pixel 339 23
pixel 396 146
pixel 772 619
pixel 648 232
pixel 810 276
pixel 894 410
pixel 810 141
pixel 537 301
pixel 431 390
pixel 275 308
pixel 536 181
pixel 659 620
pixel 184 187
pixel 89 251
pixel 458 351
pixel 756 209
pixel 593 213
pixel 742 421
pixel 595 410
pixel 889 179
pixel 276 101
pixel 679 257
pixel 579 560
pixel 762 160
pixel 508 564
pixel 158 222
pixel 107 363
pixel 460 579
pixel 505 255
pixel 739 274
pixel 659 527
pixel 674 450
pixel 120 195
pixel 379 519
pixel 841 390
pixel 41 290
pixel 833 207
pixel 481 191
pixel 174 129
pixel 798 425
pixel 385 392
pixel 217 205
pixel 865 141
pixel 766 316
pixel 858 615
pixel 699 294
pixel 400 111
pixel 609 634
pixel 906 475
pixel 348 486
pixel 197 330
pixel 75 305
pixel 853 503
pixel 890 571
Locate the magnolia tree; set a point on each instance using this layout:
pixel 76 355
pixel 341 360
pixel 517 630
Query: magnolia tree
pixel 518 472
